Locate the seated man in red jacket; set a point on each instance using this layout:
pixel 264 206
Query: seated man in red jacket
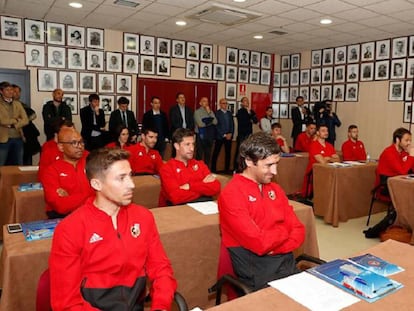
pixel 353 149
pixel 304 139
pixel 259 228
pixel 103 252
pixel 184 179
pixel 64 181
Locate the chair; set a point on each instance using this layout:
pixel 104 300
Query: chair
pixel 380 193
pixel 43 295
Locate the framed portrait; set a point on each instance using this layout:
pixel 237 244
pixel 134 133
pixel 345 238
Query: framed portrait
pixel 147 64
pixel 398 69
pixel 178 49
pixel 411 46
pixel 351 92
pixel 327 75
pixel 113 62
pixel 276 79
pixel 192 70
pixel 294 78
pixel 326 92
pixel 408 113
pixel 56 57
pixel 68 81
pixel 367 51
pixel 76 36
pixel 46 80
pixel 11 28
pixel 284 111
pixel 231 74
pixel 316 58
pixel 87 82
pixel 106 83
pixel 131 63
pixel 218 72
pixel 83 100
pixel 339 74
pixel 244 58
pixel 353 53
pixel 193 50
pixel 275 108
pixel 131 43
pixel 285 62
pixel 231 90
pixel 231 106
pixel 107 103
pixel 352 73
pixel 340 55
pixel 95 38
pixel 304 92
pixel 382 49
pixel 94 60
pixel 285 78
pixel 276 95
pixel 124 84
pixel 34 31
pixel 147 45
pixel 76 59
pixel 206 71
pixel 266 61
pixel 35 55
pixel 338 92
pixel 293 93
pixel 284 95
pixel 396 91
pixel 265 77
pixel 382 70
pixel 255 59
pixel 206 52
pixel 56 33
pixel 410 68
pixel 295 61
pixel 327 57
pixel 163 47
pixel 408 90
pixel 304 76
pixel 243 75
pixel 72 101
pixel 163 66
pixel 315 75
pixel 231 56
pixel 367 72
pixel 315 93
pixel 399 47
pixel 254 76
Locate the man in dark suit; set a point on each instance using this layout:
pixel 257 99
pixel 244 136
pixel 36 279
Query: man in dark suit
pixel 300 116
pixel 181 116
pixel 123 116
pixel 93 124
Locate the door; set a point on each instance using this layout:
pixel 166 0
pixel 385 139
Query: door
pixel 20 78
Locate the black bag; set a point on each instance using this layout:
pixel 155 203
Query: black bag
pixel 374 232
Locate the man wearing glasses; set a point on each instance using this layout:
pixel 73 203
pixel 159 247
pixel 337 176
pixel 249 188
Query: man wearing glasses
pixel 65 184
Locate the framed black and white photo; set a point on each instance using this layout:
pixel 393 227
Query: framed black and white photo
pixel 266 62
pixel 254 76
pixel 147 65
pixel 398 69
pixel 108 103
pixel 351 92
pixel 163 47
pixel 326 92
pixel 193 50
pixel 276 79
pixel 68 81
pixel 76 59
pixel 34 31
pixel 408 90
pixel 285 62
pixel 231 74
pixel 124 84
pixel 382 70
pixel 243 75
pixel 327 75
pixel 76 36
pixel 316 58
pixel 294 78
pixel 275 108
pixel 94 60
pixel 46 80
pixel 396 91
pixel 399 47
pixel 284 95
pixel 147 45
pixel 255 59
pixel 106 83
pixel 192 70
pixel 284 111
pixel 218 72
pixel 87 82
pixel 410 68
pixel 83 101
pixel 244 58
pixel 338 92
pixel 35 55
pixel 367 51
pixel 231 106
pixel 339 74
pixel 304 76
pixel 131 63
pixel 367 72
pixel 131 43
pixel 276 95
pixel 293 93
pixel 72 101
pixel 95 38
pixel 382 49
pixel 315 93
pixel 352 73
pixel 411 46
pixel 231 56
pixel 231 90
pixel 315 75
pixel 206 71
pixel 285 78
pixel 206 53
pixel 408 113
pixel 56 57
pixel 56 33
pixel 304 92
pixel 113 62
pixel 163 66
pixel 353 53
pixel 11 28
pixel 327 57
pixel 295 61
pixel 178 49
pixel 265 77
pixel 340 55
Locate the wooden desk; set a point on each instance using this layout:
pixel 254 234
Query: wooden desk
pixel 395 252
pixel 27 205
pixel 191 240
pixel 343 193
pixel 402 196
pixel 290 172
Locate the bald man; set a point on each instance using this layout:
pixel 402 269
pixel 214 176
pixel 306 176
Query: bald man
pixel 65 184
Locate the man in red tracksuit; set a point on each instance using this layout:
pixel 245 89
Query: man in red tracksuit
pixel 259 228
pixel 304 139
pixel 144 158
pixel 184 179
pixel 353 149
pixel 64 181
pixel 103 252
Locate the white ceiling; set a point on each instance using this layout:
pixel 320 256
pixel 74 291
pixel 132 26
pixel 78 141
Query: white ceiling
pixel 353 20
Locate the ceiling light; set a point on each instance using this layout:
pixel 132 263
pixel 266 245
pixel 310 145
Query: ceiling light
pixel 239 0
pixel 181 23
pixel 325 21
pixel 76 5
pixel 258 37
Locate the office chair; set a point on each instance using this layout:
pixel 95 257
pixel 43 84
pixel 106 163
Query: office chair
pixel 380 193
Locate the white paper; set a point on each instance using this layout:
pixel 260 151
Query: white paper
pixel 29 168
pixel 196 309
pixel 314 293
pixel 339 164
pixel 354 163
pixel 205 208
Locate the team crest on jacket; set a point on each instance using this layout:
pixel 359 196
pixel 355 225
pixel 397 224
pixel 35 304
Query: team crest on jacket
pixel 135 230
pixel 195 167
pixel 272 195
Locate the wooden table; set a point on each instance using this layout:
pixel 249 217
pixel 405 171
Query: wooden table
pixel 402 195
pixel 343 193
pixel 290 172
pixel 191 240
pixel 395 252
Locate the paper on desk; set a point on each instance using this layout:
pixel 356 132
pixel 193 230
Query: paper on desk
pixel 205 208
pixel 29 168
pixel 354 162
pixel 196 309
pixel 314 293
pixel 339 164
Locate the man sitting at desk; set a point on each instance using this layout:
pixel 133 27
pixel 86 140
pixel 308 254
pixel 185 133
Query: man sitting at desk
pixel 259 228
pixel 304 139
pixel 184 179
pixel 103 253
pixel 65 184
pixel 353 149
pixel 277 135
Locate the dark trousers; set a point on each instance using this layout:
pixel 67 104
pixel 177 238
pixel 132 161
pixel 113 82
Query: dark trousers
pixel 203 150
pixel 240 139
pixel 95 142
pixel 227 150
pixel 160 146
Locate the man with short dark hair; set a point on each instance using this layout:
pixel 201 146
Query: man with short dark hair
pixel 93 124
pixel 123 116
pixel 301 115
pixel 53 111
pixel 353 149
pixel 267 121
pixel 304 139
pixel 181 116
pixel 279 138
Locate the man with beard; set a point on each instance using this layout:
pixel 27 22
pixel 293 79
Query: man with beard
pixel 53 111
pixel 353 149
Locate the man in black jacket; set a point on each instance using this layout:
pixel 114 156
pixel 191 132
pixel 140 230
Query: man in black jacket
pixel 300 116
pixel 123 116
pixel 93 124
pixel 53 111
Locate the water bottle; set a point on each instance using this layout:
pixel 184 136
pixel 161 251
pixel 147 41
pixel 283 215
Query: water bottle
pixel 368 158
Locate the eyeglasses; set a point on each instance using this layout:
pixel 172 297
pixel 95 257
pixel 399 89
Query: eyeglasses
pixel 74 143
